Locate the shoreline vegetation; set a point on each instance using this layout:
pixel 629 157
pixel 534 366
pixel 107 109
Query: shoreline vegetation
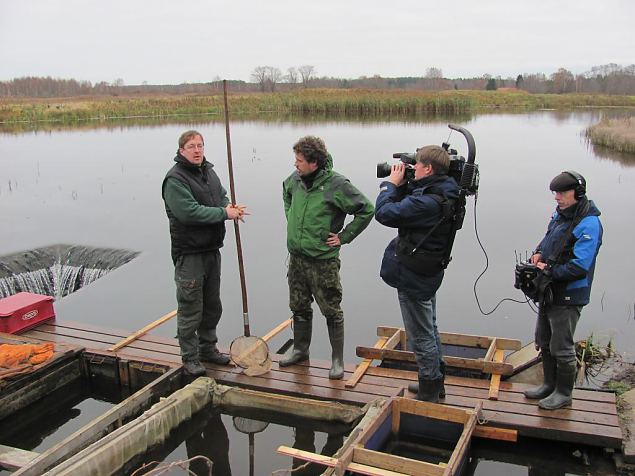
pixel 330 102
pixel 617 134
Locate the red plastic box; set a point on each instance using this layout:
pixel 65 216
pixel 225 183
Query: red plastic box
pixel 23 311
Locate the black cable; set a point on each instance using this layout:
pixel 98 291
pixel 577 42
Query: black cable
pixel 478 240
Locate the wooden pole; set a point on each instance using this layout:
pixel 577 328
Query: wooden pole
pixel 232 191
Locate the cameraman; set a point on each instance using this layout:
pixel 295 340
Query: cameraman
pixel 567 255
pixel 418 209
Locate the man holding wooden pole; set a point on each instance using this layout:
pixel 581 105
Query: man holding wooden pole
pixel 197 206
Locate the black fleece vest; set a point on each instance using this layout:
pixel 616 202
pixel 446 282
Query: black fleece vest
pixel 206 189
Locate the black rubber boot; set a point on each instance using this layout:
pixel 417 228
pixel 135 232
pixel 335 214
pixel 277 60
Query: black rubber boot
pixel 429 390
pixel 336 336
pixel 442 388
pixel 565 380
pixel 549 383
pixel 414 387
pixel 301 342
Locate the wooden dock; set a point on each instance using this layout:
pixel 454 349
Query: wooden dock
pixel 591 420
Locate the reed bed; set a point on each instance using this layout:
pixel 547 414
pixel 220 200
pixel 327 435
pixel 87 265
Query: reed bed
pixel 329 102
pixel 616 134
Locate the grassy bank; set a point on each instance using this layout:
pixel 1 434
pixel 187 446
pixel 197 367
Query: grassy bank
pixel 337 102
pixel 616 134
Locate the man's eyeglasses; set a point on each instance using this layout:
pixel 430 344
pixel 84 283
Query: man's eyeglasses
pixel 194 146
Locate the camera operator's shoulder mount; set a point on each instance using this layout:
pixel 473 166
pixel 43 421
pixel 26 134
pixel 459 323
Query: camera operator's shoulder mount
pixel 466 175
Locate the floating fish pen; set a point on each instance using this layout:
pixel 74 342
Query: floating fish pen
pixel 146 371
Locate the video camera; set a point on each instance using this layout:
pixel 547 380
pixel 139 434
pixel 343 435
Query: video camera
pixel 465 172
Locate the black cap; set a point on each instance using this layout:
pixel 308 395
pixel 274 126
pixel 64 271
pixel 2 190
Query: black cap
pixel 563 182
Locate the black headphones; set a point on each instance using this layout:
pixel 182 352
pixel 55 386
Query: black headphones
pixel 580 188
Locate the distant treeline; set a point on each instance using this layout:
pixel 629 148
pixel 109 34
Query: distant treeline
pixel 605 79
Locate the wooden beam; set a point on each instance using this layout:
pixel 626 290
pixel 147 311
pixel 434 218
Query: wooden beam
pixel 396 463
pixel 466 340
pixel 496 378
pixel 38 385
pixel 492 433
pixel 460 450
pixel 357 468
pixel 489 355
pixel 363 366
pixel 142 331
pixel 393 340
pixel 501 368
pixel 14 458
pixel 432 410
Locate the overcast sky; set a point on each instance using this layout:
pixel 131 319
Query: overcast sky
pixel 176 41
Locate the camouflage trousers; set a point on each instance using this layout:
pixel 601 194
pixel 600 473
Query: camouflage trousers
pixel 318 279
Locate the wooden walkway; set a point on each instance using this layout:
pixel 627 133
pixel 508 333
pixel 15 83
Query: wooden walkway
pixel 592 418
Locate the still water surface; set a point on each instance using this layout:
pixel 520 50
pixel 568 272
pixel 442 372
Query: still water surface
pixel 102 188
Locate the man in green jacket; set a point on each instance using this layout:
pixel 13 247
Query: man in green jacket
pixel 316 202
pixel 197 206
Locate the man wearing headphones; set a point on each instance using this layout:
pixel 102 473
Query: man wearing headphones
pixel 567 256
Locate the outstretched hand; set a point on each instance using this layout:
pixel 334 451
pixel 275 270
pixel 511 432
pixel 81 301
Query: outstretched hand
pixel 236 212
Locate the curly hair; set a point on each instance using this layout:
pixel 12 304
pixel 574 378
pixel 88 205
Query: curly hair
pixel 435 156
pixel 313 150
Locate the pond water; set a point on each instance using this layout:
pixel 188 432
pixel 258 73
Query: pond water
pixel 102 188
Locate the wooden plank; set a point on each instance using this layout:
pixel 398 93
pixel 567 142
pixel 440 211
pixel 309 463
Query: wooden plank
pixel 492 433
pixel 144 330
pixel 357 468
pixel 35 389
pixel 68 326
pixel 394 340
pixel 466 340
pixel 363 366
pixel 14 458
pixel 398 464
pixel 396 416
pixel 432 410
pixel 489 355
pixel 478 388
pixel 105 342
pixel 316 388
pixel 523 358
pixel 405 356
pixel 102 425
pixel 511 387
pixel 496 378
pixel 460 450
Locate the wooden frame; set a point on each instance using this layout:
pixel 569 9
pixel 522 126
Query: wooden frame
pixel 361 459
pixel 492 363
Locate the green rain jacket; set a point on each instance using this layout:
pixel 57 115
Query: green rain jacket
pixel 314 213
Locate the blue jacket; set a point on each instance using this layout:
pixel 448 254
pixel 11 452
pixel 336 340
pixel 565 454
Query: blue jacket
pixel 572 271
pixel 412 208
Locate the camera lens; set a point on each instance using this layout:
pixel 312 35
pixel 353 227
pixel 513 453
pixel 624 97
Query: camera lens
pixel 383 170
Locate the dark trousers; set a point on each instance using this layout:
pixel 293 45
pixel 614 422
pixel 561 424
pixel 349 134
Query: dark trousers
pixel 197 278
pixel 555 328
